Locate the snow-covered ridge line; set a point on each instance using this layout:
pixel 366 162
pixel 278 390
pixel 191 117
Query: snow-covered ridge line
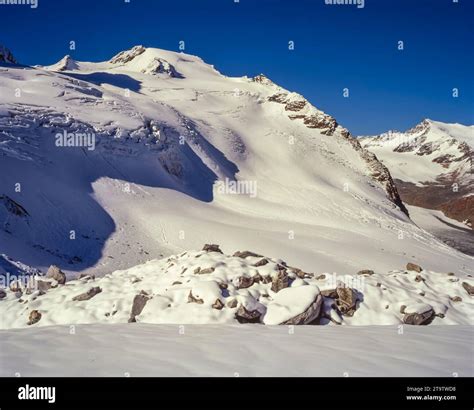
pixel 210 287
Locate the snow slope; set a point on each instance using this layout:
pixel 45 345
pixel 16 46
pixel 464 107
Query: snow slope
pixel 230 351
pixel 168 136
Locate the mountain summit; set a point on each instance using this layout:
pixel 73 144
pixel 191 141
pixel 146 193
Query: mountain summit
pixel 154 152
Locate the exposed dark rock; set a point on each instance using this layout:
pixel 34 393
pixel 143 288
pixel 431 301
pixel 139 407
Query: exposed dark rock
pixel 280 281
pixel 13 207
pixel 329 293
pixel 139 302
pixel 346 300
pixel 211 248
pixel 88 295
pixel 419 278
pixel 35 317
pixel 456 298
pixel 245 282
pixel 366 272
pixel 218 304
pixel 205 271
pixel 321 277
pixel 261 262
pixel 414 267
pixel 246 254
pixel 469 288
pixel 176 282
pixel 192 299
pixel 3 294
pixel 402 308
pixel 295 105
pixel 57 274
pixel 244 316
pixel 418 319
pixel 128 55
pixel 232 303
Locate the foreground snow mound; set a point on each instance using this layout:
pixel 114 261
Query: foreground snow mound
pixel 209 287
pixel 229 351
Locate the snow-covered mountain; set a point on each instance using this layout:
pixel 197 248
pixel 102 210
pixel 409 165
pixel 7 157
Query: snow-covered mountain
pixel 107 165
pixel 432 166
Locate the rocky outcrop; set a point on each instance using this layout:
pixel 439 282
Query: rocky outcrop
pixel 128 55
pixel 13 207
pixel 300 109
pixel 161 66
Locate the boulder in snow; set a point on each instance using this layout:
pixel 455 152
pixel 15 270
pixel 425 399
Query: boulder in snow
pixel 469 288
pixel 414 267
pixel 346 300
pixel 366 272
pixel 57 274
pixel 35 317
pixel 211 248
pixel 245 316
pixel 418 314
pixel 88 295
pixel 294 306
pixel 139 302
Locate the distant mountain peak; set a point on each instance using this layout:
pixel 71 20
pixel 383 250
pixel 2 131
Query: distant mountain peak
pixel 6 56
pixel 67 63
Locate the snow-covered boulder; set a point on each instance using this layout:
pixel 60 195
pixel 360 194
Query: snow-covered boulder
pixel 418 314
pixel 294 306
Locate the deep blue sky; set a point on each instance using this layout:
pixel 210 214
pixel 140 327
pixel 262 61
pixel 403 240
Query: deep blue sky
pixel 335 47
